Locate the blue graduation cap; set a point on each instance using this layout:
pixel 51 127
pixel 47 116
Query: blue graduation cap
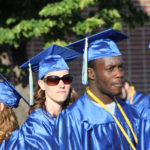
pixel 102 44
pixel 8 94
pixel 67 54
pixel 53 58
pixel 51 63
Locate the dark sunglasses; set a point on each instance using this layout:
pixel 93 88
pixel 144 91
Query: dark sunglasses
pixel 54 80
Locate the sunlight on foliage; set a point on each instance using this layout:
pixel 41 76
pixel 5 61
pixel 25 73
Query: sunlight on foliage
pixel 10 21
pixel 58 42
pixel 65 18
pixel 65 7
pixel 88 25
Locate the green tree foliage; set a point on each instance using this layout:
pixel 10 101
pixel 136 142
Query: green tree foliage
pixel 57 20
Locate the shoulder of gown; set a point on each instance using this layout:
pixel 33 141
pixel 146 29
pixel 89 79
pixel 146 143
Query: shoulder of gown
pixel 37 130
pixel 83 110
pixel 11 142
pixel 34 134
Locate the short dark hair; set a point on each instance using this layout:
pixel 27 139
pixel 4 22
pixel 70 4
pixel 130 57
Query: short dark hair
pixel 91 64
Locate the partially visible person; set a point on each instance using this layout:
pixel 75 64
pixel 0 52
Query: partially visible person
pixel 8 122
pixel 9 99
pixel 131 96
pixel 52 95
pixel 97 121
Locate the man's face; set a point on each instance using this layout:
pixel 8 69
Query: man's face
pixel 108 75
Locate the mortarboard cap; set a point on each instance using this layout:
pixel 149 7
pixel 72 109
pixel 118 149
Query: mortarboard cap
pixel 67 54
pixel 97 46
pixel 8 94
pixel 51 63
pixel 53 58
pixel 111 34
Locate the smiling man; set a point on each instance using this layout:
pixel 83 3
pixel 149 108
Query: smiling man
pixel 97 121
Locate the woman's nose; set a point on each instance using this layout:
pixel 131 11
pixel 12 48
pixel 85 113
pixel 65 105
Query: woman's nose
pixel 61 84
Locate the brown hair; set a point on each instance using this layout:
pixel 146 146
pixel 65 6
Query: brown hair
pixel 39 99
pixel 8 123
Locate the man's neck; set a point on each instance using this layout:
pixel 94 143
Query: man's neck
pixel 103 97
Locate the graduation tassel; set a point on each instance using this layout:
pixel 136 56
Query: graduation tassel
pixel 31 85
pixel 85 64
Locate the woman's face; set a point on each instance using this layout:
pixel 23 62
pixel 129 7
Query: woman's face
pixel 57 93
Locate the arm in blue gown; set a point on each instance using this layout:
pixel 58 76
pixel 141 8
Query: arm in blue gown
pixel 144 132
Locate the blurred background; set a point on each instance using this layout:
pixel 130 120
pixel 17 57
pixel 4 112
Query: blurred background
pixel 28 27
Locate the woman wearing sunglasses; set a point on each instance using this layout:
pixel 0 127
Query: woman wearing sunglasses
pixel 51 97
pixel 50 84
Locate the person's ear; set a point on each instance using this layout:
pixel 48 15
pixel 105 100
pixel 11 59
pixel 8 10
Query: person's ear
pixel 41 84
pixel 1 107
pixel 91 73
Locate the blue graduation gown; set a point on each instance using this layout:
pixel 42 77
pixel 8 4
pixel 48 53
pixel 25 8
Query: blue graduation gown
pixel 144 132
pixel 140 100
pixel 11 142
pixel 34 134
pixel 86 126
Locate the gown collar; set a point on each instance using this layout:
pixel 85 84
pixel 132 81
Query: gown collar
pixel 86 110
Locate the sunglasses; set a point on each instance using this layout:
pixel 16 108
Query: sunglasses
pixel 54 80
